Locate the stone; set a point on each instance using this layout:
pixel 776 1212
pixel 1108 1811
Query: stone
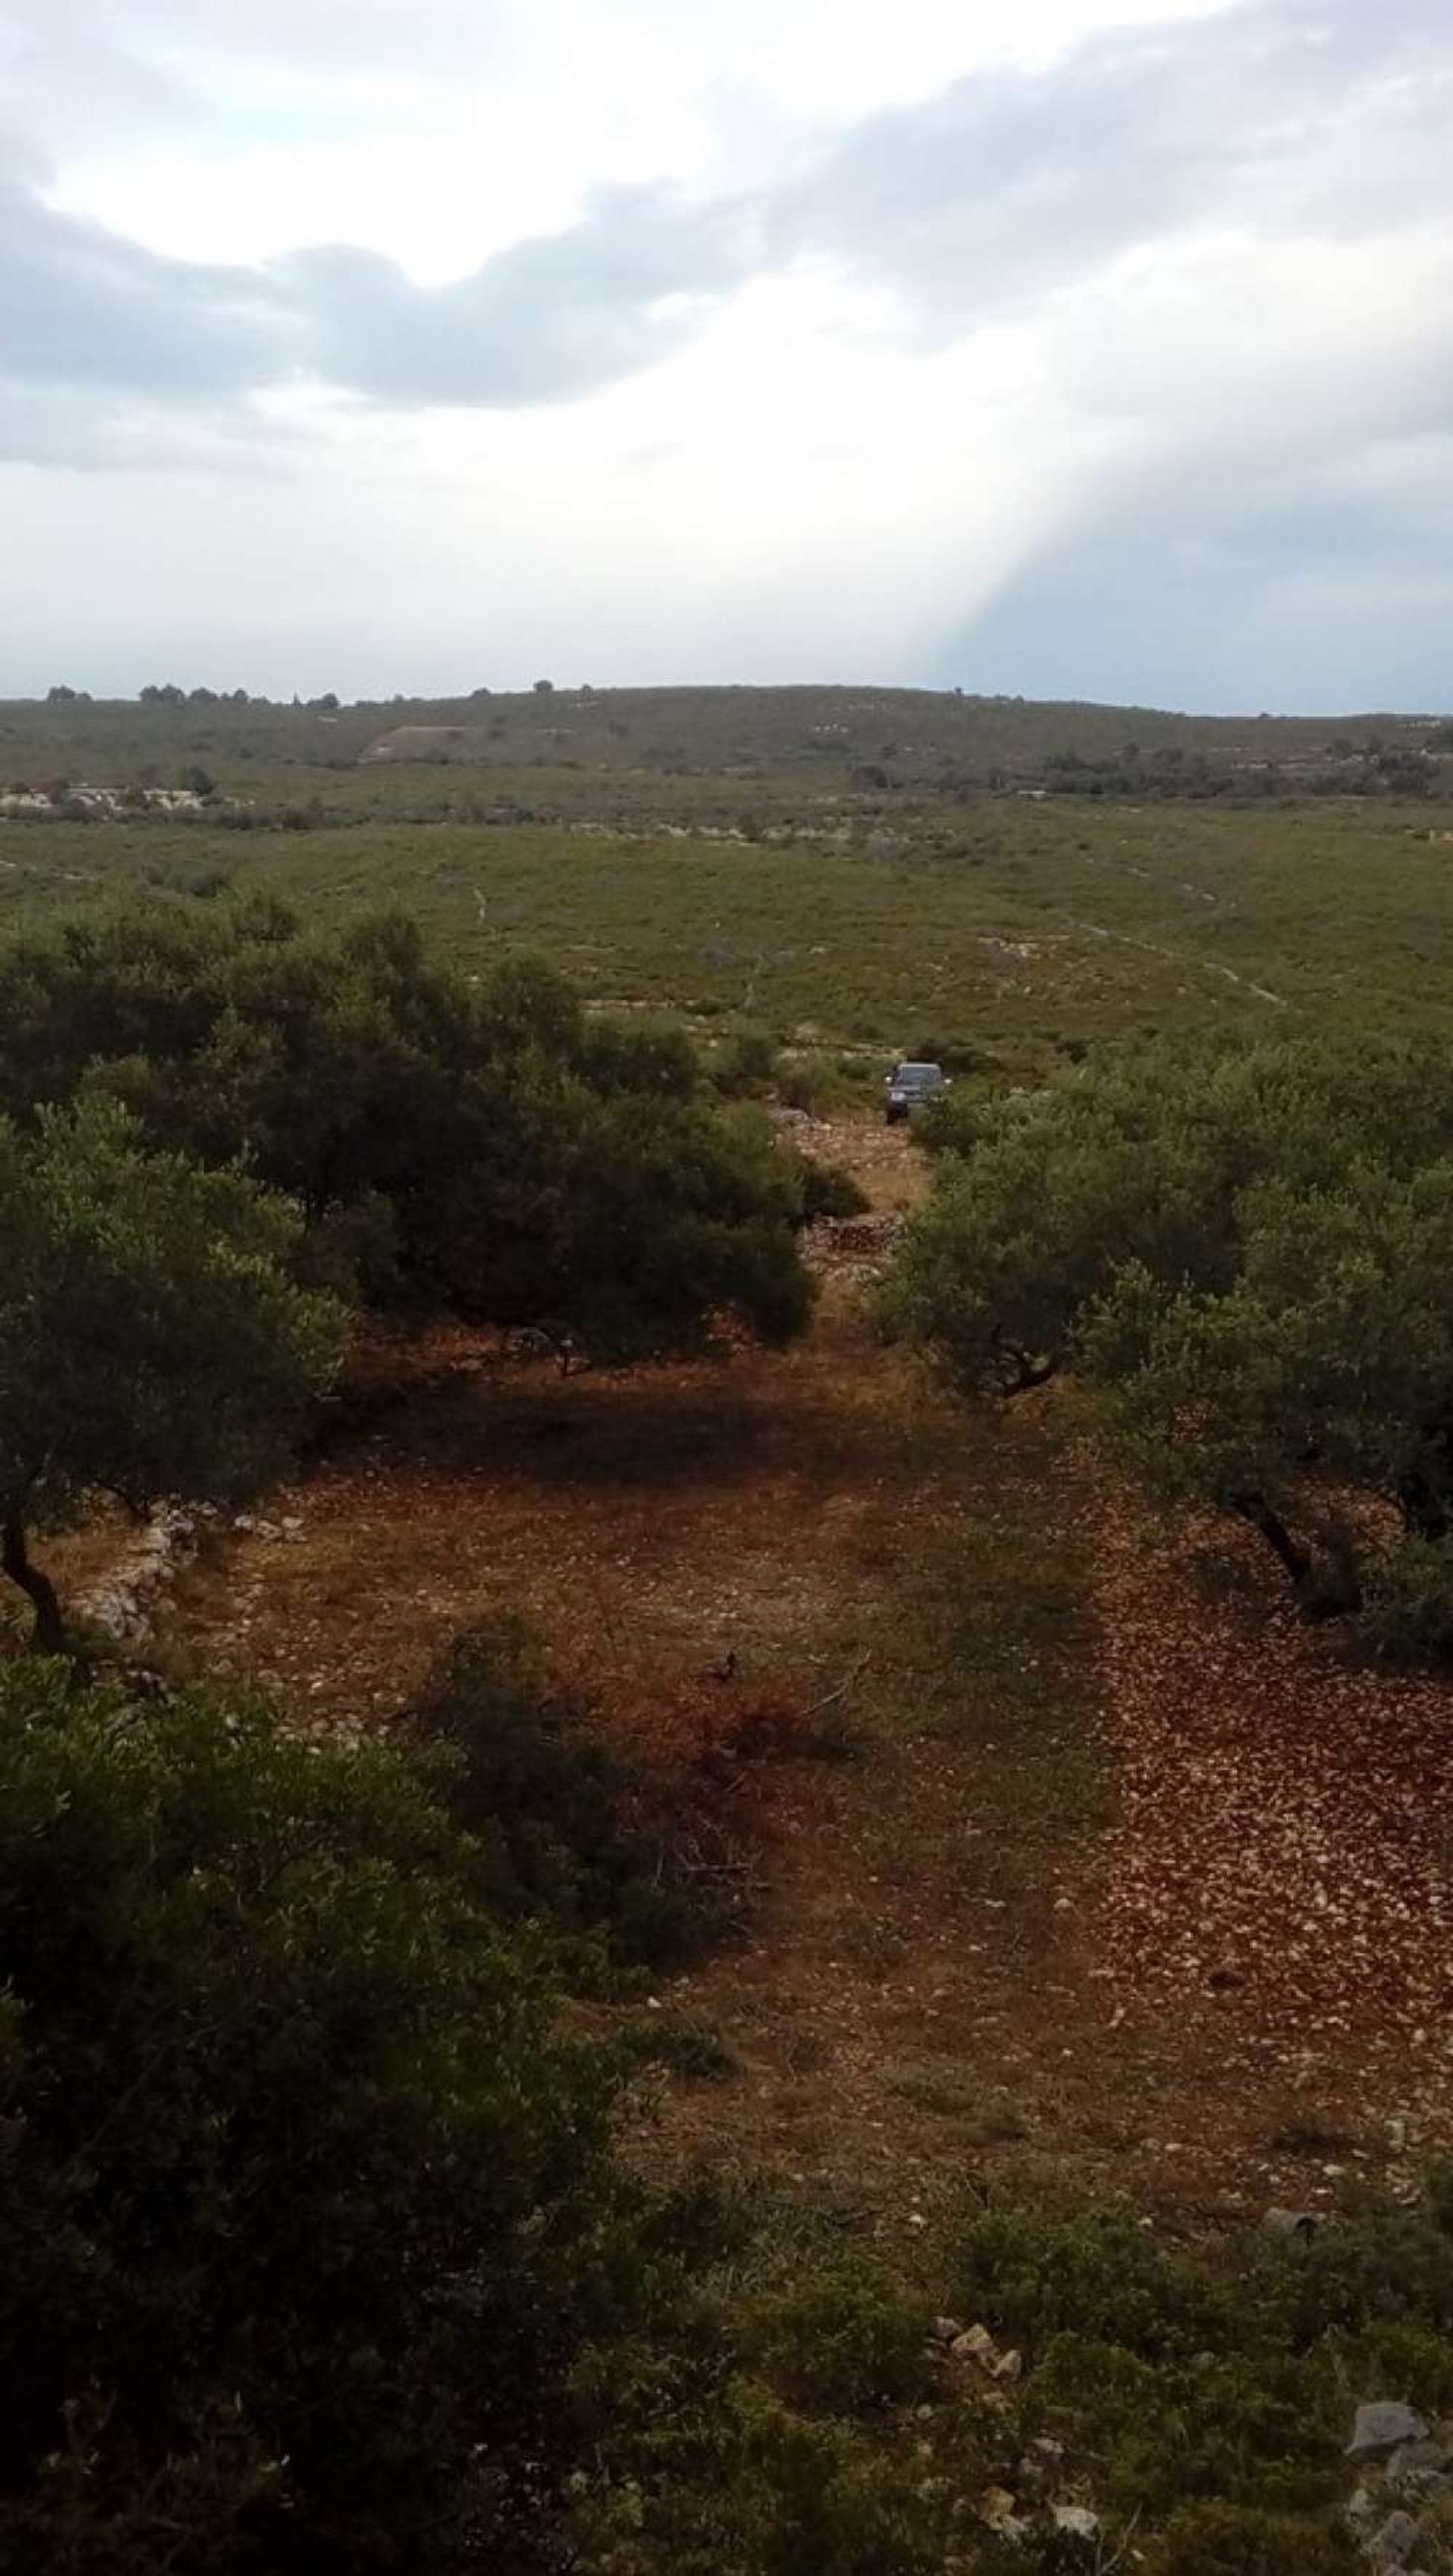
pixel 1077 2520
pixel 996 2509
pixel 1393 2544
pixel 974 2344
pixel 1042 2461
pixel 1299 2224
pixel 1383 2427
pixel 1419 2469
pixel 946 2329
pixel 1007 2365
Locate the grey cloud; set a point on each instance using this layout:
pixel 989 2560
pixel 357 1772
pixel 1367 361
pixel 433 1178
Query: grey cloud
pixel 1292 584
pixel 545 320
pixel 1011 185
pixel 82 306
pixel 1216 626
pixel 1007 188
pixel 549 319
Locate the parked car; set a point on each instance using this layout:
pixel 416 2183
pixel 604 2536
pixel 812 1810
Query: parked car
pixel 912 1086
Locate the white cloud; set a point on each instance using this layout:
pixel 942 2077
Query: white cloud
pixel 772 343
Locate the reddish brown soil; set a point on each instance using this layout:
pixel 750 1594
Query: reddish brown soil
pixel 1126 1892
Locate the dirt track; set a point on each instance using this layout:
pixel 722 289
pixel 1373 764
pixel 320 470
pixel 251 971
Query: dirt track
pixel 1124 1893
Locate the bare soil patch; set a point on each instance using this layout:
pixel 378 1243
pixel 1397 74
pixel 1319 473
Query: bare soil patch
pixel 1283 1849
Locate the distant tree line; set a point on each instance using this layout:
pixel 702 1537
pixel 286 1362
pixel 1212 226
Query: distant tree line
pixel 1175 774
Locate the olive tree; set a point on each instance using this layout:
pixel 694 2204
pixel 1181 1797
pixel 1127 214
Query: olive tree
pixel 489 1149
pixel 152 1340
pixel 1244 1248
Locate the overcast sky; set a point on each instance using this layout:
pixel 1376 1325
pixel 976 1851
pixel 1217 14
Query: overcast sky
pixel 1064 348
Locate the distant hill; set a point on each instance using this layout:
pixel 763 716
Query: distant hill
pixel 911 736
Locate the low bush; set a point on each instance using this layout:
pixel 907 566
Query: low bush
pixel 1214 2396
pixel 621 1817
pixel 566 1828
pixel 746 1064
pixel 844 2342
pixel 1407 1612
pixel 1237 2540
pixel 829 1190
pixel 764 2426
pixel 305 2207
pixel 1101 2278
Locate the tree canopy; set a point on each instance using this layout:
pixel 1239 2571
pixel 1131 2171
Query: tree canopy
pixel 1245 1248
pixel 485 1147
pixel 304 2206
pixel 152 1339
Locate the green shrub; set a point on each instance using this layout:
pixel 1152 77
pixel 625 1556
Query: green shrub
pixel 842 2342
pixel 829 1190
pixel 720 2475
pixel 1236 2540
pixel 746 1065
pixel 1214 2396
pixel 957 1055
pixel 304 2207
pixel 544 1799
pixel 1099 2277
pixel 811 1083
pixel 1407 1613
pixel 1387 2268
pixel 1243 2424
pixel 1243 1247
pixel 537 1166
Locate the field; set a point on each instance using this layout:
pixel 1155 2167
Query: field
pixel 984 1944
pixel 1002 925
pixel 1080 1873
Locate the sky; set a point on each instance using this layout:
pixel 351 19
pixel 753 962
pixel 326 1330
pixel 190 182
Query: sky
pixel 1078 348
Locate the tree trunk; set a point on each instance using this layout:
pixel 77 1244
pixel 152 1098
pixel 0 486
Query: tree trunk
pixel 1255 1509
pixel 48 1636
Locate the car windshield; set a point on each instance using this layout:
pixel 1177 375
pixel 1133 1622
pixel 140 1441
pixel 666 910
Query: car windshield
pixel 918 1077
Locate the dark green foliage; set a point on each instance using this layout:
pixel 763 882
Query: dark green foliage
pixel 763 2429
pixel 1245 1248
pixel 1386 2282
pixel 304 2208
pixel 746 1064
pixel 1100 2277
pixel 1239 2540
pixel 1227 2385
pixel 828 1190
pixel 487 1148
pixel 547 1803
pixel 1407 1613
pixel 152 1342
pixel 840 2343
pixel 1230 2421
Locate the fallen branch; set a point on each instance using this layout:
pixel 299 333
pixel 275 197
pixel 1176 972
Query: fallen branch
pixel 833 1697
